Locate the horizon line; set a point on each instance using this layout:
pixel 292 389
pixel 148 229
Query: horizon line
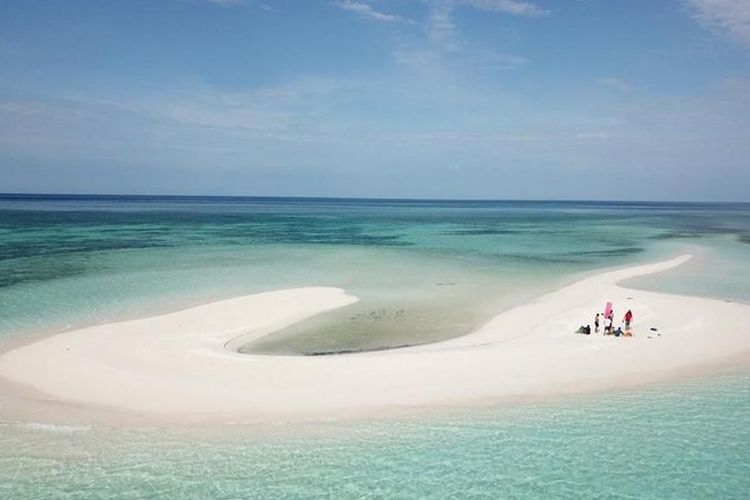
pixel 360 198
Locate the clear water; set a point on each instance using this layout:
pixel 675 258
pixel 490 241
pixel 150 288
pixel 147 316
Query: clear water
pixel 423 270
pixel 685 440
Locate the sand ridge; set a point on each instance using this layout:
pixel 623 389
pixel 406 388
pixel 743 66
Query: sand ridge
pixel 183 364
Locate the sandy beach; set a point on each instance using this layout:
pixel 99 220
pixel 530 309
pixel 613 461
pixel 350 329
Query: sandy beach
pixel 184 365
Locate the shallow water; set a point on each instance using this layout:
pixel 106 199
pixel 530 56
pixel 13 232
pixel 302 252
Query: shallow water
pixel 683 440
pixel 423 270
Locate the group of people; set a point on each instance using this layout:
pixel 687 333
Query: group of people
pixel 607 318
pixel 609 328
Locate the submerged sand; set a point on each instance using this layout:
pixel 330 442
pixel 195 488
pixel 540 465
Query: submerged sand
pixel 184 365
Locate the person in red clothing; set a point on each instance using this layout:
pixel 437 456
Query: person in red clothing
pixel 628 319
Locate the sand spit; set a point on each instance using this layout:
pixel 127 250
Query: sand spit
pixel 183 365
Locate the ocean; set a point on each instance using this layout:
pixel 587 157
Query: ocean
pixel 424 270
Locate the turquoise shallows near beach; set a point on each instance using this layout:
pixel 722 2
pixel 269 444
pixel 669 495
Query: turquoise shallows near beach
pixel 422 271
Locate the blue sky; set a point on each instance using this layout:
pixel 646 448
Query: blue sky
pixel 576 99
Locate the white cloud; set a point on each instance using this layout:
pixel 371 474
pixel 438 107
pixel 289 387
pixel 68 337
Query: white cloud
pixel 441 28
pixel 615 83
pixel 232 3
pixel 509 7
pixel 227 3
pixel 282 110
pixel 726 16
pixel 492 59
pixel 446 35
pixel 307 128
pixel 366 10
pixel 443 31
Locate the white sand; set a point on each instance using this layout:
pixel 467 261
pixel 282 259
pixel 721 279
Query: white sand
pixel 182 365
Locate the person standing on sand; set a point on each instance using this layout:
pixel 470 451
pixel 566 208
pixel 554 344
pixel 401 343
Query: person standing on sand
pixel 596 323
pixel 608 325
pixel 628 319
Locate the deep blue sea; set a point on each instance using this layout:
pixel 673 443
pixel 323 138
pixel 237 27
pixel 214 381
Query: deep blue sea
pixel 424 270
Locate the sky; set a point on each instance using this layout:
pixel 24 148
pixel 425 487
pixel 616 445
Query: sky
pixel 490 99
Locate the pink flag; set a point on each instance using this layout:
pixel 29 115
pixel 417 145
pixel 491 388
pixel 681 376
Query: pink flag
pixel 607 309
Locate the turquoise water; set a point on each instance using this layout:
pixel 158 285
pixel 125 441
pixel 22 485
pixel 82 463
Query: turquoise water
pixel 685 440
pixel 423 270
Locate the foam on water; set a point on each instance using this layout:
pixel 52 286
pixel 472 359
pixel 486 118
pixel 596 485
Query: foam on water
pixel 54 428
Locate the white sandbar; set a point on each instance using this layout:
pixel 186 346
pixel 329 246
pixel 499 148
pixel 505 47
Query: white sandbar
pixel 182 364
